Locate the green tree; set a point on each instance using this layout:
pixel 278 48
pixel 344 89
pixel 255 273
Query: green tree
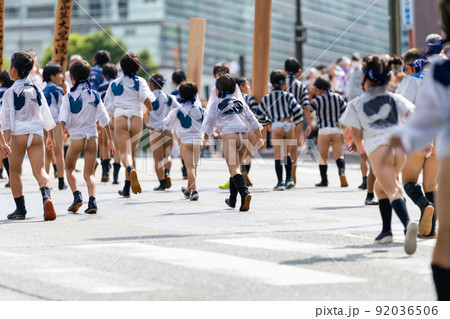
pixel 148 66
pixel 87 44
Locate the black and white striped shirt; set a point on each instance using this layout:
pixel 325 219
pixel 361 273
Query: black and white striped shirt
pixel 329 107
pixel 299 90
pixel 251 102
pixel 278 105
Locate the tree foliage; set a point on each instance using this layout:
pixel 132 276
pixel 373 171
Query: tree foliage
pixel 88 44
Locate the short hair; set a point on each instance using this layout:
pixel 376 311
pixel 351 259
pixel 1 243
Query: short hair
pixel 157 79
pixel 382 65
pixel 277 78
pixel 5 80
pixel 188 91
pixel 220 67
pixel 109 71
pixel 102 57
pixel 240 80
pixel 178 76
pixel 323 83
pixel 412 55
pixel 130 63
pixel 75 57
pixel 226 83
pixel 80 70
pixel 292 65
pixel 51 69
pixel 23 62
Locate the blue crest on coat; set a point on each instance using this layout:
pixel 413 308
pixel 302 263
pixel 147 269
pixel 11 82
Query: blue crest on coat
pixel 442 73
pixel 237 107
pixel 19 101
pixel 50 90
pixel 382 110
pixel 96 99
pixel 155 105
pixel 117 89
pixel 75 105
pixel 169 101
pixel 136 83
pixel 186 121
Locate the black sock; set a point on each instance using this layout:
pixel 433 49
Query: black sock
pixel 233 191
pixel 441 278
pixel 247 167
pixel 116 171
pixel 45 192
pixel 323 173
pixel 288 167
pixel 364 180
pixel 386 214
pixel 399 207
pixel 55 169
pixel 166 172
pixel 414 192
pixel 239 182
pixel 6 165
pixel 371 196
pixel 77 195
pixel 20 204
pixel 243 168
pixel 126 187
pixel 130 168
pixel 162 183
pixel 430 196
pixel 61 182
pixel 340 162
pixel 279 171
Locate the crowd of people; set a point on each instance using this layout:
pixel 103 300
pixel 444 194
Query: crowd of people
pixel 379 106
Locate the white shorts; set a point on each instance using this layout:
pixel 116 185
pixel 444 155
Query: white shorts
pixel 443 143
pixel 372 143
pixel 128 113
pixel 330 130
pixel 196 140
pixel 286 126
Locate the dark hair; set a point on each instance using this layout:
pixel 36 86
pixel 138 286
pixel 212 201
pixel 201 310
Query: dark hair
pixel 220 67
pixel 157 80
pixel 5 80
pixel 323 83
pixel 240 80
pixel 412 55
pixel 188 92
pixel 444 6
pixel 23 62
pixel 109 71
pixel 178 77
pixel 51 69
pixel 102 57
pixel 277 78
pixel 378 68
pixel 226 85
pixel 80 70
pixel 292 65
pixel 130 63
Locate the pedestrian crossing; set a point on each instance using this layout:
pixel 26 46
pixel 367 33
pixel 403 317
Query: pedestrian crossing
pixel 245 259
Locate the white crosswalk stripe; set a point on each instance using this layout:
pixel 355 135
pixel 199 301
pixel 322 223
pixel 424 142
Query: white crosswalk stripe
pixel 262 271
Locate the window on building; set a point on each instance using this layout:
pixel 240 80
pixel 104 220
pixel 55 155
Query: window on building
pixel 39 12
pixel 123 8
pixel 95 8
pixel 11 12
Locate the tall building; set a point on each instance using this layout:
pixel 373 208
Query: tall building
pixel 335 28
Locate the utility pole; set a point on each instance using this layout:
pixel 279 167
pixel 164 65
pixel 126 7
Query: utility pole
pixel 300 34
pixel 394 27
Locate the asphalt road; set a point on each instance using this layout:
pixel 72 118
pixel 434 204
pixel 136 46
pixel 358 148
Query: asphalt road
pixel 303 244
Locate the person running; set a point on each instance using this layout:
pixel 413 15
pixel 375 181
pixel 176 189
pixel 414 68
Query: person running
pixel 124 98
pixel 54 77
pixel 80 110
pixel 282 110
pixel 25 115
pixel 328 106
pixel 186 119
pixel 233 118
pixel 161 138
pixel 372 117
pixel 423 161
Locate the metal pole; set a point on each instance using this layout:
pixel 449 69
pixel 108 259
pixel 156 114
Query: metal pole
pixel 2 31
pixel 298 35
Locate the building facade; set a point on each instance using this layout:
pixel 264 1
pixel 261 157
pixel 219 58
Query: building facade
pixel 334 28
